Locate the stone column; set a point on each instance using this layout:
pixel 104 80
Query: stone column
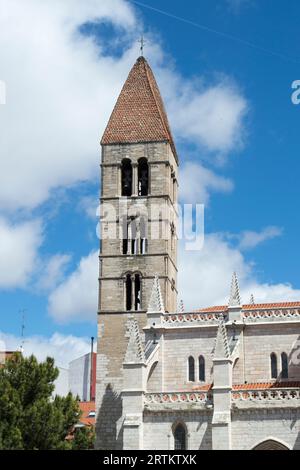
pixel 222 379
pixel 134 179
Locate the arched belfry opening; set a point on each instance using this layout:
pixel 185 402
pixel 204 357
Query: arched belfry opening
pixel 143 177
pixel 126 171
pixel 128 292
pixel 133 292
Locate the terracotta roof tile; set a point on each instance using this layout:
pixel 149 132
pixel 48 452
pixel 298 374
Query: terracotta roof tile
pixel 86 407
pixel 266 385
pixel 139 114
pixel 253 386
pixel 273 305
pixel 224 308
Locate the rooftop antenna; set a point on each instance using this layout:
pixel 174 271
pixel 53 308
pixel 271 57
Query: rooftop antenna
pixel 142 43
pixel 22 312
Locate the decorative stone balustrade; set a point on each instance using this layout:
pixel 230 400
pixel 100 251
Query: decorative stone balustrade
pixel 271 395
pixel 275 315
pixel 188 319
pixel 162 400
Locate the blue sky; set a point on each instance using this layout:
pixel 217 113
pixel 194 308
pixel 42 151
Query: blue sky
pixel 226 80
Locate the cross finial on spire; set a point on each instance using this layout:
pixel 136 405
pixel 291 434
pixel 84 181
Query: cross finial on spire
pixel 142 43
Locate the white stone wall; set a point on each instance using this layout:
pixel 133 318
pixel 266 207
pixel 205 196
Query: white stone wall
pixel 253 364
pixel 158 430
pixel 249 428
pixel 259 342
pixel 178 346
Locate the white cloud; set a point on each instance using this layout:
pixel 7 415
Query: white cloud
pixel 90 206
pixel 76 297
pixel 60 92
pixel 208 115
pixel 19 244
pixel 205 276
pixel 52 273
pixel 250 239
pixel 197 183
pixel 61 88
pixel 63 348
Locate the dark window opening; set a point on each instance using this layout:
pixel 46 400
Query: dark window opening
pixel 143 177
pixel 128 292
pixel 133 246
pixel 191 369
pixel 125 246
pixel 133 236
pixel 143 239
pixel 284 366
pixel 274 373
pixel 125 236
pixel 201 369
pixel 179 438
pixel 137 292
pixel 143 246
pixel 126 178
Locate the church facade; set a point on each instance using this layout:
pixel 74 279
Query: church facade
pixel 225 377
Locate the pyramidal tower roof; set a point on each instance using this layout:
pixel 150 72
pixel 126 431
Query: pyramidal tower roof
pixel 139 114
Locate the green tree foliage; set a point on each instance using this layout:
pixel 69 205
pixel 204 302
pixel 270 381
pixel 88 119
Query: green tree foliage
pixel 30 418
pixel 83 439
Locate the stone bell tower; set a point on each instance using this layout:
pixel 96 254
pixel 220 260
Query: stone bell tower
pixel 138 232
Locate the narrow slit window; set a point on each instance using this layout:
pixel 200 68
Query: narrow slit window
pixel 191 367
pixel 274 371
pixel 201 369
pixel 284 366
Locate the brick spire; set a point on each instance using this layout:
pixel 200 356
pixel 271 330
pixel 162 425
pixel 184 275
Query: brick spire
pixel 139 114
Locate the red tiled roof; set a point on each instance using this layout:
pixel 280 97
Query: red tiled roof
pixel 266 385
pixel 139 114
pixel 224 308
pixel 254 386
pixel 276 305
pixel 213 309
pixel 86 407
